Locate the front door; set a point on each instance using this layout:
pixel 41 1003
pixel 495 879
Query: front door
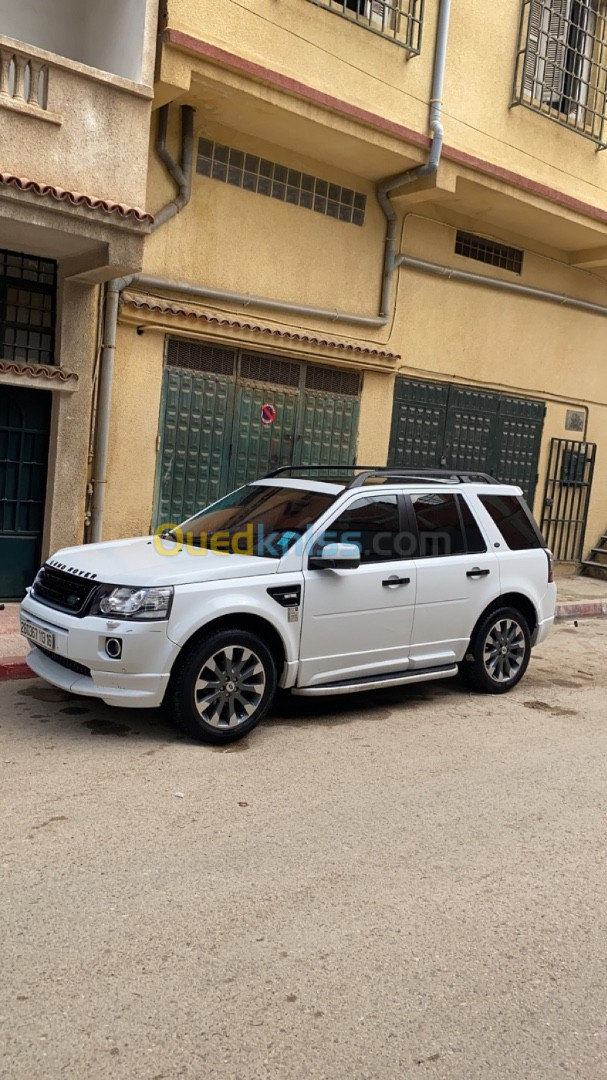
pixel 24 443
pixel 357 623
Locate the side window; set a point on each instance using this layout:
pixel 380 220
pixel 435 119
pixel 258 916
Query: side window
pixel 474 536
pixel 373 524
pixel 439 525
pixel 513 521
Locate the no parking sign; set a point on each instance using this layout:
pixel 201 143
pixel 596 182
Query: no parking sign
pixel 268 414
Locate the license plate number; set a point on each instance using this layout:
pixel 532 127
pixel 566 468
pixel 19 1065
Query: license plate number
pixel 38 635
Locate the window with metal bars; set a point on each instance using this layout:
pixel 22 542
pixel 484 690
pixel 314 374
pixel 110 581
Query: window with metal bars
pixel 28 293
pixel 400 21
pixel 561 66
pixel 488 251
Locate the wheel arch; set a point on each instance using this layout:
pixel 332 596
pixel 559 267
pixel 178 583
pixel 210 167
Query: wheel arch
pixel 254 624
pixel 516 600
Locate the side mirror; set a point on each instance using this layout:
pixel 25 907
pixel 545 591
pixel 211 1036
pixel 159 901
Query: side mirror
pixel 335 557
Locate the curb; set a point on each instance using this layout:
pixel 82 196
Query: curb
pixel 581 609
pixel 14 667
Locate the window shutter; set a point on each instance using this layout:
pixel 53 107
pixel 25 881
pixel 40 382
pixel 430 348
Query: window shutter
pixel 556 49
pixel 547 34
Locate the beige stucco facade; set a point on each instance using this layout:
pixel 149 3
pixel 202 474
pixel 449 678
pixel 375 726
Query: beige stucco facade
pixel 74 136
pixel 297 84
pixel 319 93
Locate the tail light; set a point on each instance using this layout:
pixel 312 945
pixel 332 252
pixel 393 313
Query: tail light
pixel 550 558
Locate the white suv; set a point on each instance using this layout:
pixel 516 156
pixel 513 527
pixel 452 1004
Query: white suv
pixel 362 579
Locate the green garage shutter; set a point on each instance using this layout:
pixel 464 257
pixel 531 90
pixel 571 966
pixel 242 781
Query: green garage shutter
pixel 211 438
pixel 458 427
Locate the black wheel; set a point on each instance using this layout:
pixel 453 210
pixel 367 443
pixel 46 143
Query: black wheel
pixel 223 686
pixel 498 653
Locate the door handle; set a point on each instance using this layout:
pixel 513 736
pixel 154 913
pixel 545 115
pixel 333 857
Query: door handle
pixel 477 572
pixel 392 582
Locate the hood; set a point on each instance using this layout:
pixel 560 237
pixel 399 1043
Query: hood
pixel 137 562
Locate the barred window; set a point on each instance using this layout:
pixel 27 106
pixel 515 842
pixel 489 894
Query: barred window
pixel 399 20
pixel 561 66
pixel 28 291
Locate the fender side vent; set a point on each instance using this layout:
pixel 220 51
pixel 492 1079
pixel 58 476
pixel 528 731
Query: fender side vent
pixel 286 595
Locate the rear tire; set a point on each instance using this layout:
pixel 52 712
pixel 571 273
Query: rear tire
pixel 499 652
pixel 223 686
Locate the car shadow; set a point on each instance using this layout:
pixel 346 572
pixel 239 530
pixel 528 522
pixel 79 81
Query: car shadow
pixel 43 704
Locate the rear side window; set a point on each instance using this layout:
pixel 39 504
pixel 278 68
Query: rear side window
pixel 439 525
pixel 446 525
pixel 513 521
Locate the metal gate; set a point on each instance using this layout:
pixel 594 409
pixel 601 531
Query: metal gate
pixel 211 438
pixel 459 427
pixel 24 443
pixel 567 497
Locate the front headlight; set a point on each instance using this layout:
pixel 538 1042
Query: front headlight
pixel 132 602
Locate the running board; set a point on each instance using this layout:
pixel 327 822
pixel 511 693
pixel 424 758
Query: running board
pixel 374 682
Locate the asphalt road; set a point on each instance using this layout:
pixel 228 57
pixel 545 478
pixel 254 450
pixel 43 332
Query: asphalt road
pixel 405 884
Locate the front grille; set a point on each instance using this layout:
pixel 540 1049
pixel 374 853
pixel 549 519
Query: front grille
pixel 63 591
pixel 71 665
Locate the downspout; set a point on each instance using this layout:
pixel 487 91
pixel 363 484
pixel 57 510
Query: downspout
pixel 182 175
pixel 420 171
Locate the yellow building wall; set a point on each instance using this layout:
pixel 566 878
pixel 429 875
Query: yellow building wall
pixel 241 242
pixel 133 432
pixel 319 48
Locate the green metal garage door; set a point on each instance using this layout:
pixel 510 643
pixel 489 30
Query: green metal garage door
pixel 24 442
pixel 459 427
pixel 212 439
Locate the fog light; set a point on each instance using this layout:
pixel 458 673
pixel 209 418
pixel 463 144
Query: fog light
pixel 113 647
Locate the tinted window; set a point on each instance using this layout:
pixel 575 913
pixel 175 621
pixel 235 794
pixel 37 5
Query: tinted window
pixel 439 525
pixel 373 524
pixel 257 520
pixel 474 537
pixel 513 521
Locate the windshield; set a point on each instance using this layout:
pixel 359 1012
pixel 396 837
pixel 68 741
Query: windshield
pixel 256 520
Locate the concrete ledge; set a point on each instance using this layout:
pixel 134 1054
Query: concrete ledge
pixel 14 667
pixel 581 609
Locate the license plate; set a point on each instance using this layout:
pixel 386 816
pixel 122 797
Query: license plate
pixel 37 635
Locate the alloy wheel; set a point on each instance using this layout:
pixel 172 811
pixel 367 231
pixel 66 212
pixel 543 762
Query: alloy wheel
pixel 230 687
pixel 504 650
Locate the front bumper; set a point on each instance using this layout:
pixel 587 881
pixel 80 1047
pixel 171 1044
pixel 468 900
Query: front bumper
pixel 138 680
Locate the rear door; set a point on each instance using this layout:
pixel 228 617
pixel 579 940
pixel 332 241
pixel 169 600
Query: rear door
pixel 357 623
pixel 457 577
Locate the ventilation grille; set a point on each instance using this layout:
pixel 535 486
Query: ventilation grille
pixel 488 251
pixel 333 381
pixel 194 356
pixel 269 370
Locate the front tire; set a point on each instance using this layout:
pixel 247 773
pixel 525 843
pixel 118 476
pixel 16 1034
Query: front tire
pixel 223 686
pixel 499 652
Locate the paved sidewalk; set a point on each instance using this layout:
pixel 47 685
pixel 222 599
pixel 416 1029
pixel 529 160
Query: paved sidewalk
pixel 578 598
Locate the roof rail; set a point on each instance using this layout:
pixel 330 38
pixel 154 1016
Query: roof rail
pixel 366 472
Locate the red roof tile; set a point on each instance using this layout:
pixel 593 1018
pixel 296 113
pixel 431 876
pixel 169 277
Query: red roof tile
pixel 149 303
pixel 76 198
pixel 38 371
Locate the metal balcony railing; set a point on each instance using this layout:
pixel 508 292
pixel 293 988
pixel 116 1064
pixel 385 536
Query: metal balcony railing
pixel 400 21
